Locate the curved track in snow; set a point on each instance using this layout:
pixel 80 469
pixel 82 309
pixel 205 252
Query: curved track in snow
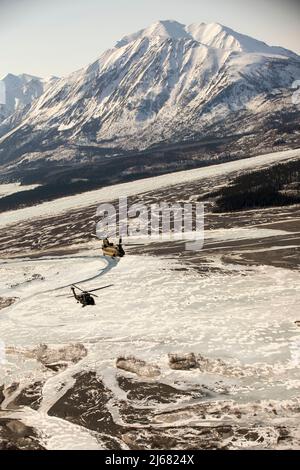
pixel 109 264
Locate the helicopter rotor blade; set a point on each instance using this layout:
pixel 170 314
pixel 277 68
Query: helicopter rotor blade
pixel 93 295
pixel 100 288
pixel 74 285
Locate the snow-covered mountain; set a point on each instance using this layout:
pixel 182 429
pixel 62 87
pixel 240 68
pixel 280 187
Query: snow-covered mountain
pixel 163 83
pixel 19 91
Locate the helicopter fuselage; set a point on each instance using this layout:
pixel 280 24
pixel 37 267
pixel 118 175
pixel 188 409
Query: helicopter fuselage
pixel 112 250
pixel 84 299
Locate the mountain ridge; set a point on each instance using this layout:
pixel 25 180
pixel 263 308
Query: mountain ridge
pixel 210 34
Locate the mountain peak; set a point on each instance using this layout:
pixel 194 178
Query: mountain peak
pixel 167 28
pixel 213 35
pixel 23 77
pixel 163 29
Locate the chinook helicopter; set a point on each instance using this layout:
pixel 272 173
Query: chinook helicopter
pixel 86 297
pixel 111 249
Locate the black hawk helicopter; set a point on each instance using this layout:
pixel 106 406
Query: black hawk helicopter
pixel 86 297
pixel 111 249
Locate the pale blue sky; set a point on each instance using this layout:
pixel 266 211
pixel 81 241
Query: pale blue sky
pixel 56 37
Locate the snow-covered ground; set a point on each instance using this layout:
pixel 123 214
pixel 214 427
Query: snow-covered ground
pixel 249 319
pixel 243 323
pixel 237 318
pixel 11 188
pixel 183 312
pixel 110 193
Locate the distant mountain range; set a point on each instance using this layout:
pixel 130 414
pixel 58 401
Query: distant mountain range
pixel 168 83
pixel 19 91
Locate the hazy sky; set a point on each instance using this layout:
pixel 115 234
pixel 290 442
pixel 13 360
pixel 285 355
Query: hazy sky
pixel 56 37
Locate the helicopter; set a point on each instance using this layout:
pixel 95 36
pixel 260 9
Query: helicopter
pixel 86 298
pixel 111 249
